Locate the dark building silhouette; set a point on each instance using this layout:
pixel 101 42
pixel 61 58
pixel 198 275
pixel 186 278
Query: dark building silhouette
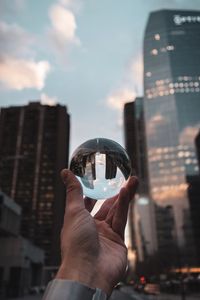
pixel 194 206
pixel 130 134
pixel 166 238
pixel 172 106
pixel 21 262
pixel 194 201
pixel 143 234
pixel 34 147
pixel 135 141
pixel 197 145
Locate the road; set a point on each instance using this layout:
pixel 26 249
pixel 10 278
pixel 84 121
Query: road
pixel 127 293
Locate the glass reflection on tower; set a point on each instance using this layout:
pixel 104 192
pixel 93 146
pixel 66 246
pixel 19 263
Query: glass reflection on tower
pixel 172 106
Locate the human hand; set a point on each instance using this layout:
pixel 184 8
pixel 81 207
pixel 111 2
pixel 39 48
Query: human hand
pixel 92 248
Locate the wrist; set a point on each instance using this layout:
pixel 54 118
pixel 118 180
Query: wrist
pixel 85 276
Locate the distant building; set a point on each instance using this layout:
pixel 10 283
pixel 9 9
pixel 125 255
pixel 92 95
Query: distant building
pixel 194 207
pixel 145 227
pixel 188 253
pixel 172 106
pixel 130 134
pixel 135 141
pixel 194 201
pixel 197 145
pixel 142 215
pixel 21 263
pixel 166 237
pixel 10 216
pixel 34 147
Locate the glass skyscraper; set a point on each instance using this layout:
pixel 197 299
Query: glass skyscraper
pixel 172 107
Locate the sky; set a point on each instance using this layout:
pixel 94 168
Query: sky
pixel 85 54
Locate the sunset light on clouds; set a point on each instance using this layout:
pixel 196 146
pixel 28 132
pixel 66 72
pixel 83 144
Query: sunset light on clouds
pixel 86 55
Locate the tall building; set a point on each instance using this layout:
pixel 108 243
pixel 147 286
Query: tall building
pixel 21 262
pixel 166 239
pixel 194 201
pixel 142 214
pixel 197 145
pixel 172 106
pixel 34 147
pixel 135 141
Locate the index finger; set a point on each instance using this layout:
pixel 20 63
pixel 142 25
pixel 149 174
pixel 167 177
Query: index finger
pixel 74 192
pixel 121 212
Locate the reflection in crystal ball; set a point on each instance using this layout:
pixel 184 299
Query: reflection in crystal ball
pixel 102 166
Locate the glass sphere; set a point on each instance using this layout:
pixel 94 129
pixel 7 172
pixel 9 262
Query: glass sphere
pixel 102 166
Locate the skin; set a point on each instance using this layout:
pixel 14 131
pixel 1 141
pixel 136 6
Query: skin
pixel 92 248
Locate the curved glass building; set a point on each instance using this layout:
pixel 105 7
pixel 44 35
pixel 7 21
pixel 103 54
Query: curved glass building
pixel 172 109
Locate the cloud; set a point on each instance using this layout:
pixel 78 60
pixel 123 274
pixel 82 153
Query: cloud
pixel 19 74
pixel 136 73
pixel 12 7
pixel 66 2
pixel 47 100
pixel 74 5
pixel 20 4
pixel 18 67
pixel 118 98
pixel 63 28
pixel 130 87
pixel 14 40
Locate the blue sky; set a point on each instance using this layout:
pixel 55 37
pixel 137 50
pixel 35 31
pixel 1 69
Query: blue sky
pixel 86 54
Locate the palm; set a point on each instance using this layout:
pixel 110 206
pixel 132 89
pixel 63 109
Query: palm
pixel 113 253
pixel 94 245
pixel 104 235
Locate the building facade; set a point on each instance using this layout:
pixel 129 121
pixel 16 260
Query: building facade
pixel 142 213
pixel 34 145
pixel 194 201
pixel 172 107
pixel 135 141
pixel 21 263
pixel 166 237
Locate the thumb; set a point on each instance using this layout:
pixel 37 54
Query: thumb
pixel 74 192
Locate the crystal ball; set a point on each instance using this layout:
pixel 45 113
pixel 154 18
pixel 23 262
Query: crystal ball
pixel 102 166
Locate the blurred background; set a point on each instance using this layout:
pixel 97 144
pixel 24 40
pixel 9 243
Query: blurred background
pixel 72 70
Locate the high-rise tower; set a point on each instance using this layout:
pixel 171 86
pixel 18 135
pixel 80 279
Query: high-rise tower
pixel 142 213
pixel 172 106
pixel 34 147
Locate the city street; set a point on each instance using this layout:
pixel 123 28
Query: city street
pixel 127 293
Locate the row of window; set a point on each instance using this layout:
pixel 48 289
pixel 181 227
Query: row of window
pixel 157 36
pixel 156 51
pixel 180 187
pixel 167 92
pixel 184 78
pixel 169 149
pixel 156 158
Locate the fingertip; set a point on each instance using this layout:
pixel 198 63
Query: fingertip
pixel 74 191
pixel 63 174
pixel 133 180
pixel 70 180
pixel 132 185
pixel 66 174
